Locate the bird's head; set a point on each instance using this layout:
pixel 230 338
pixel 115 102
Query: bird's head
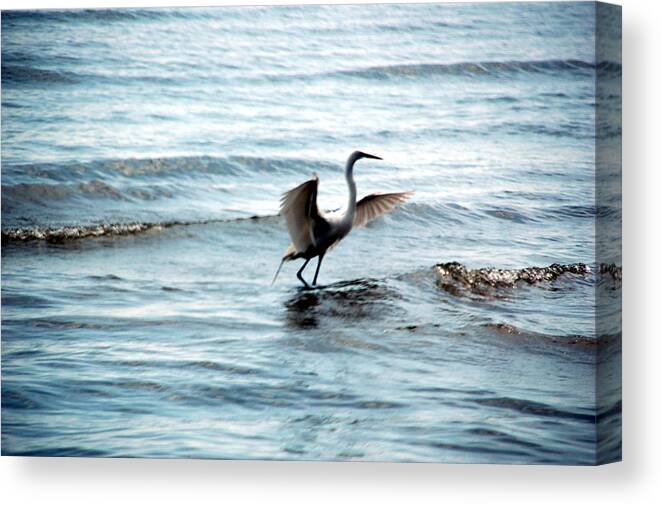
pixel 356 155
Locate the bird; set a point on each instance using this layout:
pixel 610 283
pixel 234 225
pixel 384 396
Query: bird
pixel 313 232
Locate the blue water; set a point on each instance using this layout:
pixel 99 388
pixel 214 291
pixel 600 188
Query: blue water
pixel 143 155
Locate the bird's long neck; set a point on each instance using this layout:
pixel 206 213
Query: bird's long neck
pixel 351 207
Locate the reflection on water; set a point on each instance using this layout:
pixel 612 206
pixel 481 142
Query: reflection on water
pixel 347 300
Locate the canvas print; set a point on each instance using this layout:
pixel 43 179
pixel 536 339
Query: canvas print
pixel 330 233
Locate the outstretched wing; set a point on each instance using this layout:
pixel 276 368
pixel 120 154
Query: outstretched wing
pixel 299 208
pixel 372 206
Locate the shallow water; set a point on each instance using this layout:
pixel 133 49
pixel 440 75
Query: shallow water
pixel 143 155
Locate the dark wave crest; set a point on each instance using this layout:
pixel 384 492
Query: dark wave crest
pixel 484 68
pixel 528 407
pixel 36 75
pixel 27 74
pixel 90 15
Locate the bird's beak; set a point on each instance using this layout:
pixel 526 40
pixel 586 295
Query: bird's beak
pixel 371 156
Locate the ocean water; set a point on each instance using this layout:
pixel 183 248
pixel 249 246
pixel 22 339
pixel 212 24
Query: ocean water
pixel 143 156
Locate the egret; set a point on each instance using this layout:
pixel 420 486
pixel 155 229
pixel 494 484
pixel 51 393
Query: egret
pixel 313 232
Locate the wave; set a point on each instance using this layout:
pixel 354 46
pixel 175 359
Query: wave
pixel 28 189
pixel 574 341
pixel 453 276
pixel 90 15
pixel 39 192
pixel 19 71
pixel 159 168
pixel 19 200
pixel 69 233
pixel 23 74
pixel 64 233
pixel 457 274
pixel 484 68
pixel 28 74
pixel 528 407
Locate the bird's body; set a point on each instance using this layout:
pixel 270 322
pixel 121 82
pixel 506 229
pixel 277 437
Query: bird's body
pixel 313 232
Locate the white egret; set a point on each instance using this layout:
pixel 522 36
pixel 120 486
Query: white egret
pixel 313 231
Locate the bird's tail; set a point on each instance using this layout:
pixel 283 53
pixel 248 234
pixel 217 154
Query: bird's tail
pixel 288 256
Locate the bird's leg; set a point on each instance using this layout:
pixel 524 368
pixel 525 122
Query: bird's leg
pixel 300 277
pixel 314 282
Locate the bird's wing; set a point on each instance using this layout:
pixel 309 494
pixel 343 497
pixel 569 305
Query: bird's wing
pixel 372 206
pixel 299 208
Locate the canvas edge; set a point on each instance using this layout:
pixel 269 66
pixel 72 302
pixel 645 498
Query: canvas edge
pixel 608 234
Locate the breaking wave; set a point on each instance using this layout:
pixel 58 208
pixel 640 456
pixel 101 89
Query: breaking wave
pixel 69 233
pixel 64 233
pixel 452 276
